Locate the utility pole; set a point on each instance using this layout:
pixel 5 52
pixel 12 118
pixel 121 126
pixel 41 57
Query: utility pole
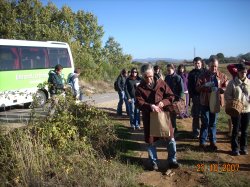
pixel 194 53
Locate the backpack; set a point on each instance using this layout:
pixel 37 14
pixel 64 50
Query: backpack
pixel 116 87
pixel 70 81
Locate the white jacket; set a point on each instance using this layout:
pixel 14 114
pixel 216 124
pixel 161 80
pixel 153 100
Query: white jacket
pixel 234 91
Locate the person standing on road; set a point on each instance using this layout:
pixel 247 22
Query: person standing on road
pixel 154 95
pixel 210 80
pixel 157 72
pixel 73 81
pixel 239 89
pixel 175 83
pixel 55 81
pixel 181 71
pixel 194 95
pixel 130 86
pixel 56 86
pixel 121 92
pixel 232 68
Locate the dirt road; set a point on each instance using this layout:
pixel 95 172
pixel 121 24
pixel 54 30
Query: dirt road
pixel 19 114
pixel 198 167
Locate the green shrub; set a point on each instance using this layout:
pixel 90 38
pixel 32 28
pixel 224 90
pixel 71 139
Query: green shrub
pixel 66 149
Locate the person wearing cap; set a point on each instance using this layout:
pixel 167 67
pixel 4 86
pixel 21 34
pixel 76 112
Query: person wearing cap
pixel 212 79
pixel 232 68
pixel 239 89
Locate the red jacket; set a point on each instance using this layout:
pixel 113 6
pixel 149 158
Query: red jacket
pixel 205 91
pixel 145 96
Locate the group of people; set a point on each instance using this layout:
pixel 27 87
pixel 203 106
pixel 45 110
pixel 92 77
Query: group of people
pixel 150 92
pixel 57 85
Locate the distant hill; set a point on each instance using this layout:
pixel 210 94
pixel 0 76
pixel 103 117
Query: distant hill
pixel 153 60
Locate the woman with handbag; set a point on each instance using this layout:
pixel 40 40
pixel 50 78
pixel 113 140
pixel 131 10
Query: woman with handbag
pixel 238 89
pixel 154 95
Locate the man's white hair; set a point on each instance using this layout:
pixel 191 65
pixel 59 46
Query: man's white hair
pixel 145 68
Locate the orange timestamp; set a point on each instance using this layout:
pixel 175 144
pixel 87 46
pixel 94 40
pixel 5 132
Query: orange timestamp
pixel 225 167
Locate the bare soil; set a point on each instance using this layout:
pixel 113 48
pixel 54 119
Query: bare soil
pixel 198 167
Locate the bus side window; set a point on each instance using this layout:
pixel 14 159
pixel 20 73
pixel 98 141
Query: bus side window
pixel 64 58
pixel 58 56
pixel 53 61
pixel 7 59
pixel 33 58
pixel 26 63
pixel 64 62
pixel 25 58
pixel 39 58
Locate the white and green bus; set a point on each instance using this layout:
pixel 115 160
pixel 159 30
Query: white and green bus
pixel 25 64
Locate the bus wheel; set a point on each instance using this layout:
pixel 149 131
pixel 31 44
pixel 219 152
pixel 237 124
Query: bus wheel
pixel 40 98
pixel 27 105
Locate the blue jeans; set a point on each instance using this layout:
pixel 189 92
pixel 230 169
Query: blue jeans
pixel 171 147
pixel 81 96
pixel 195 111
pixel 122 98
pixel 134 114
pixel 208 125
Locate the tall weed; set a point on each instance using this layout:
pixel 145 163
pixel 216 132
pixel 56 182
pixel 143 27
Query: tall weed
pixel 66 149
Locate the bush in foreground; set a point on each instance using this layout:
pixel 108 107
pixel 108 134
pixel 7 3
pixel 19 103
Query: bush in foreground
pixel 67 149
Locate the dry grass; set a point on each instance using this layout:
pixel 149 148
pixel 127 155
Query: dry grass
pixel 29 163
pixel 56 153
pixel 90 88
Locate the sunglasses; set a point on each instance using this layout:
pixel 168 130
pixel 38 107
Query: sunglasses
pixel 134 71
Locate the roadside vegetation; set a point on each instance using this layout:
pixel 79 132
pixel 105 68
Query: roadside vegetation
pixel 31 20
pixel 77 146
pixel 80 145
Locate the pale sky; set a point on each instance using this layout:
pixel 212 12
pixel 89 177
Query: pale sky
pixel 172 28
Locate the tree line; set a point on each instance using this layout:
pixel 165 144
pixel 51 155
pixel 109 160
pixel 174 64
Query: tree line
pixel 31 20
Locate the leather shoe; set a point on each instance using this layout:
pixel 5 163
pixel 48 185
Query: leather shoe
pixel 235 153
pixel 213 147
pixel 173 165
pixel 243 152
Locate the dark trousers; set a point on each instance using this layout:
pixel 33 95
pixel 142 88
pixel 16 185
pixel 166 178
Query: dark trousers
pixel 195 111
pixel 173 120
pixel 241 122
